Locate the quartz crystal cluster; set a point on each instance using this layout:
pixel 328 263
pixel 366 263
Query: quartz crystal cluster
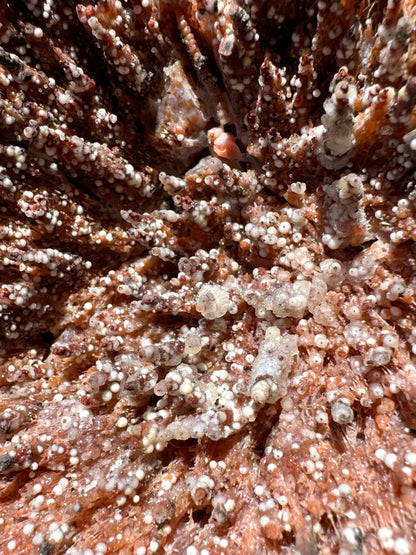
pixel 207 277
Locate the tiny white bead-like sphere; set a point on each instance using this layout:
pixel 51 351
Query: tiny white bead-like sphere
pixel 213 301
pixel 341 412
pixel 193 344
pixel 260 392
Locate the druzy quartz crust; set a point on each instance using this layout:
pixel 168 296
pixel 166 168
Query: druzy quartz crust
pixel 207 277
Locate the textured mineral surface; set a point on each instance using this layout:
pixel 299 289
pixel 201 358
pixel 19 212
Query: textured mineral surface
pixel 207 277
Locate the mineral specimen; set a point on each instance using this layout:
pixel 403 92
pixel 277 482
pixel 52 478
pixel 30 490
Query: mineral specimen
pixel 208 277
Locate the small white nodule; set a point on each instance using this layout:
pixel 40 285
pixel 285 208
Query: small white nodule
pixel 213 301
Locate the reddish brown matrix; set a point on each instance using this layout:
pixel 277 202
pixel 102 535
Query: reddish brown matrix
pixel 207 277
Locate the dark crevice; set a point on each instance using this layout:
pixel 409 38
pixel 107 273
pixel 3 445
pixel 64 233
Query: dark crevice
pixel 47 338
pixel 266 421
pixel 201 516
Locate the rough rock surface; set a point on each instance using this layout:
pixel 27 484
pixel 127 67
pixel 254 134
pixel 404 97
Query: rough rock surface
pixel 207 277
